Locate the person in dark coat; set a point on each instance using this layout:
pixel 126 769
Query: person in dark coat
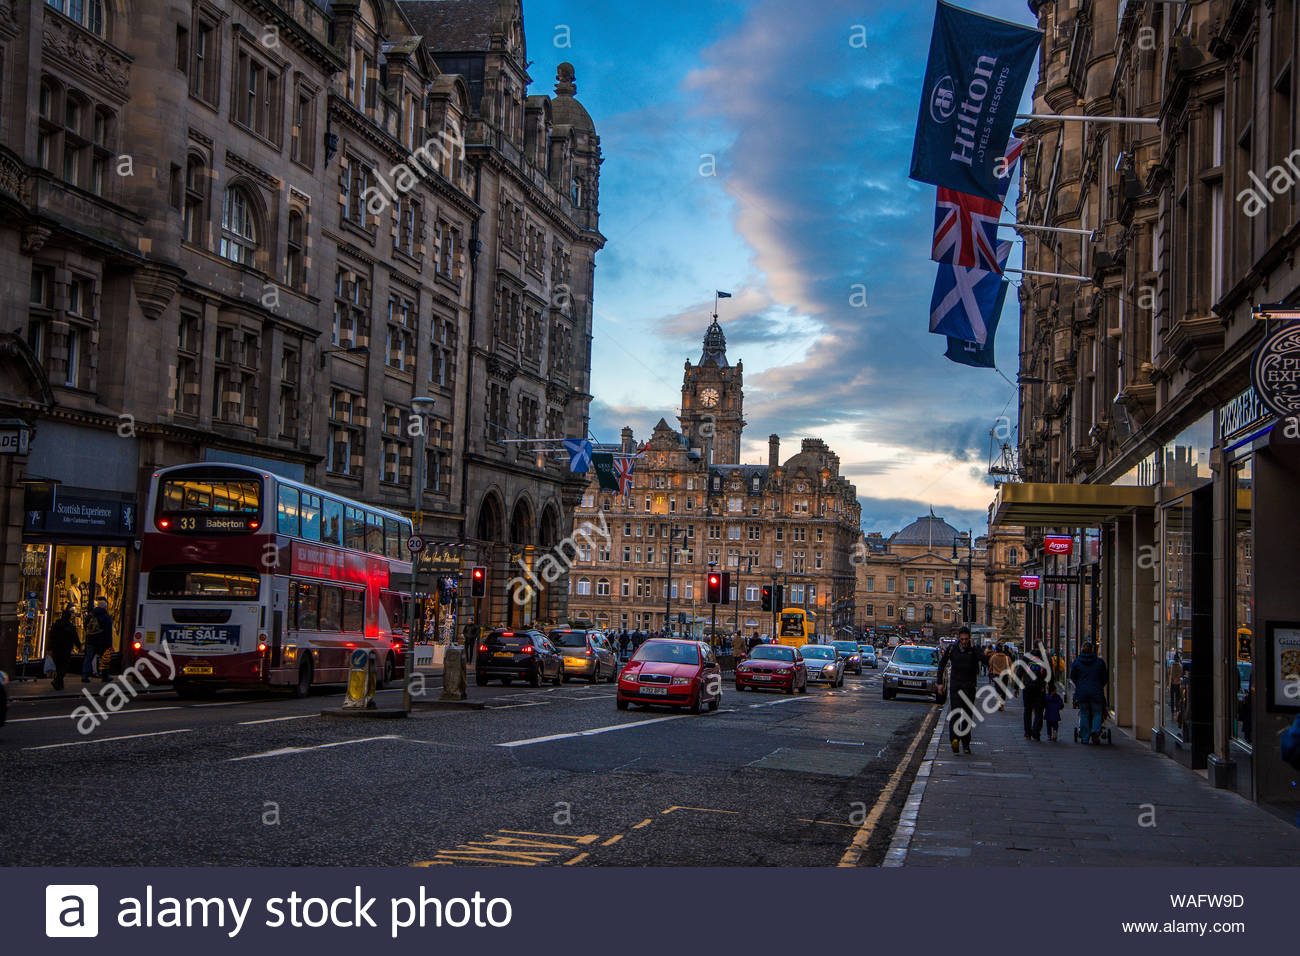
pixel 1090 677
pixel 624 643
pixel 62 642
pixel 963 659
pixel 1035 699
pixel 99 638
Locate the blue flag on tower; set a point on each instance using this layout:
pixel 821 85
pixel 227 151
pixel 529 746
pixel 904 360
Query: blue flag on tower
pixel 975 76
pixel 579 450
pixel 966 302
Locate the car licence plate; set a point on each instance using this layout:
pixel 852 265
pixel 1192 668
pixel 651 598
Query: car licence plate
pixel 762 677
pixel 503 654
pixel 655 691
pixel 198 670
pixel 912 683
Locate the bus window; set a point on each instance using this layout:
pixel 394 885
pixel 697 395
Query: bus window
pixel 331 608
pixel 354 529
pixel 354 610
pixel 287 521
pixel 374 533
pixel 307 602
pixel 393 607
pixel 203 584
pixel 310 512
pixel 392 539
pixel 216 496
pixel 331 526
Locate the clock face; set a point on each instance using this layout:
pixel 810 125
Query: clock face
pixel 709 397
pixel 661 459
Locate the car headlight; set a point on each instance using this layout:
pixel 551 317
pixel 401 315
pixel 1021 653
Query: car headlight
pixel 681 680
pixel 828 669
pixel 742 668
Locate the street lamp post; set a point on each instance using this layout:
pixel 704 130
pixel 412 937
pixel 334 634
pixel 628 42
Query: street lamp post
pixel 967 595
pixel 421 408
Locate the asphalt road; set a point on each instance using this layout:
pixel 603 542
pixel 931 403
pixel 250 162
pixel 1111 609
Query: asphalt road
pixel 540 777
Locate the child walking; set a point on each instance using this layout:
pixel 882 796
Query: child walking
pixel 1052 710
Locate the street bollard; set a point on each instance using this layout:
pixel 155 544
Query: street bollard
pixel 361 681
pixel 453 675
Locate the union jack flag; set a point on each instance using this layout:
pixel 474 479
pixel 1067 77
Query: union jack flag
pixel 966 226
pixel 623 470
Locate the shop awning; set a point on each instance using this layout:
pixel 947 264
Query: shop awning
pixel 1060 505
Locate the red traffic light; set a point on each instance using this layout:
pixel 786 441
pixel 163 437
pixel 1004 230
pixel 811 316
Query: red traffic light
pixel 478 581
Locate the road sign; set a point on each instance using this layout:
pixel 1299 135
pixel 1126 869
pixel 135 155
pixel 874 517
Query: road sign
pixel 415 544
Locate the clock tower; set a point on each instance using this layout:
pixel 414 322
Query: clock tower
pixel 712 398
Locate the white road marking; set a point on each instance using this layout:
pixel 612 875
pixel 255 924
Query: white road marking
pixel 783 700
pixel 589 733
pixel 106 740
pixel 134 710
pixel 283 751
pixel 272 720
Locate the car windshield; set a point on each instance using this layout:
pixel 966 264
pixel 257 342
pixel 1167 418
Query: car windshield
pixel 916 655
pixel 668 652
pixel 848 647
pixel 818 652
pixel 866 649
pixel 568 638
pixel 772 652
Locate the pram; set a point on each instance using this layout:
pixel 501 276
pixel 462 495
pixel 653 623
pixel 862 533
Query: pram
pixel 1104 731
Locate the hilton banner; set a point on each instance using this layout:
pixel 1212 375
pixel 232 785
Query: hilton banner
pixel 976 73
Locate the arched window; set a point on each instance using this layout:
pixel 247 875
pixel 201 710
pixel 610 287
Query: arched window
pixel 911 612
pixel 195 216
pixel 239 233
pixel 584 586
pixel 929 614
pixel 88 13
pixel 602 587
pixel 295 273
pixel 947 613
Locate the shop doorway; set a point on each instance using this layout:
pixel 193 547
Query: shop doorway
pixel 55 576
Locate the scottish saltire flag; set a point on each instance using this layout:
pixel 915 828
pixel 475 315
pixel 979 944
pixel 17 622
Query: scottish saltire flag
pixel 966 226
pixel 722 295
pixel 979 356
pixel 974 78
pixel 579 450
pixel 623 470
pixel 966 300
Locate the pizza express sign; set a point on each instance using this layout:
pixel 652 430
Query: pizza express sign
pixel 1275 373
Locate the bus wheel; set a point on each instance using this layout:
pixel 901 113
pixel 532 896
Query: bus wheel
pixel 388 671
pixel 303 687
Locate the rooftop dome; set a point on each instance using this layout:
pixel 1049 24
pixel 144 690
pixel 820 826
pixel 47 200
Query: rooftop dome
pixel 715 346
pixel 928 531
pixel 565 110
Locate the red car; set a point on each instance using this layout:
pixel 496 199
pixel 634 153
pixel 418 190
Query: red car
pixel 773 666
pixel 673 672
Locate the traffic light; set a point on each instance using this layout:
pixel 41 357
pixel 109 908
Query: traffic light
pixel 478 581
pixel 767 597
pixel 726 587
pixel 714 590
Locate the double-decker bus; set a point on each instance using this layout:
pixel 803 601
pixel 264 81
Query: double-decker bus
pixel 797 627
pixel 252 579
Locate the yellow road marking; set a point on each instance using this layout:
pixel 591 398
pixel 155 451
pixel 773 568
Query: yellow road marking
pixel 582 840
pixel 612 840
pixel 699 810
pixel 860 840
pixel 644 823
pixel 577 859
pixel 508 847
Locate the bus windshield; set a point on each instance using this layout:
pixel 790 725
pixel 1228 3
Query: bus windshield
pixel 792 625
pixel 210 496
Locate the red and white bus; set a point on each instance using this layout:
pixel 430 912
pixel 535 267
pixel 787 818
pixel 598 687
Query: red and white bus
pixel 252 579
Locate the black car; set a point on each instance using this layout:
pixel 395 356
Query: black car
pixel 851 654
pixel 508 655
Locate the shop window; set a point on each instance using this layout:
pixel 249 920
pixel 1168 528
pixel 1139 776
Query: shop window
pixel 1243 603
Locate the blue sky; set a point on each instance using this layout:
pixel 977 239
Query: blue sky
pixel 750 146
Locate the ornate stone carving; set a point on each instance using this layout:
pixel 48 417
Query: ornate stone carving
pixel 67 41
pixel 34 239
pixel 13 175
pixel 154 286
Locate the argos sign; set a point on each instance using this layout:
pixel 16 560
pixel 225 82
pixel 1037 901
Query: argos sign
pixel 1058 544
pixel 1029 582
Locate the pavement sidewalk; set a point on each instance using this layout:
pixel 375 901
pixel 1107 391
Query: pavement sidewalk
pixel 1018 802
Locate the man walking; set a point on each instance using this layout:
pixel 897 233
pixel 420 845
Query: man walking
pixel 963 659
pixel 1090 677
pixel 99 638
pixel 63 638
pixel 1034 698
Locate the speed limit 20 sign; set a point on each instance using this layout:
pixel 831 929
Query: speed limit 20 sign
pixel 415 544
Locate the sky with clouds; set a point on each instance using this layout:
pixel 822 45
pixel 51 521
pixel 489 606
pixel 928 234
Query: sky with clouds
pixel 761 147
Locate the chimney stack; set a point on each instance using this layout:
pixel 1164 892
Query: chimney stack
pixel 627 440
pixel 773 451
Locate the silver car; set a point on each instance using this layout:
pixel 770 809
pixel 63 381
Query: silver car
pixel 913 669
pixel 824 663
pixel 587 653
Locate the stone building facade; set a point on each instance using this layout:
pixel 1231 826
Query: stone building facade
pixel 253 231
pixel 913 580
pixel 1141 436
pixel 793 523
